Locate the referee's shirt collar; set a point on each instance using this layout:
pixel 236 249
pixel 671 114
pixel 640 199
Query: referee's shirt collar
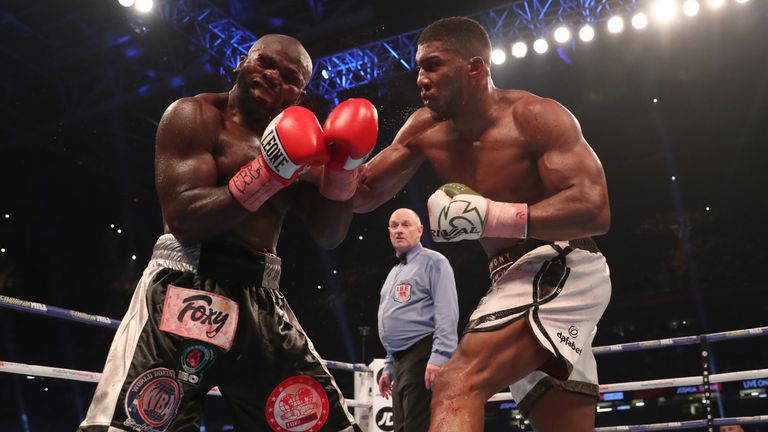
pixel 410 253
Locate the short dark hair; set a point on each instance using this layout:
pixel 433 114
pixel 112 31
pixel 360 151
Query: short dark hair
pixel 464 34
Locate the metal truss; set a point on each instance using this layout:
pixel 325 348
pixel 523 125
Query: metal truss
pixel 384 59
pixel 210 28
pixel 378 61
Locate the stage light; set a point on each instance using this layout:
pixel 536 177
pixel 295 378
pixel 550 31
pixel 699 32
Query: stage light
pixel 691 8
pixel 616 24
pixel 640 21
pixel 562 34
pixel 144 5
pixel 133 257
pixel 498 56
pixel 715 3
pixel 540 46
pixel 126 3
pixel 2 250
pixel 741 1
pixel 587 33
pixel 519 49
pixel 665 10
pixel 7 216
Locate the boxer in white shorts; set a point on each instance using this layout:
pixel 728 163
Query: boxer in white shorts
pixel 524 173
pixel 560 290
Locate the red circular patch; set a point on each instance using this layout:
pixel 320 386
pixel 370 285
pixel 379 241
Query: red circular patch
pixel 298 404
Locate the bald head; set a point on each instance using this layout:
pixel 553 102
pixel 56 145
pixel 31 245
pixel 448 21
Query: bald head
pixel 405 230
pixel 285 45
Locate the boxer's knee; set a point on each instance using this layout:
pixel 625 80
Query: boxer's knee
pixel 459 380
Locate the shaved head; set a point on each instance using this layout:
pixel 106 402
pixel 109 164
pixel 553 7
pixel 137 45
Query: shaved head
pixel 284 44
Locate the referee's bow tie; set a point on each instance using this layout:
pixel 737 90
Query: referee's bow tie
pixel 402 259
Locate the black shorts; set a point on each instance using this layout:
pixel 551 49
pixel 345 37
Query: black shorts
pixel 205 317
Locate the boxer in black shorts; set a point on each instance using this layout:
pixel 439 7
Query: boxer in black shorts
pixel 208 310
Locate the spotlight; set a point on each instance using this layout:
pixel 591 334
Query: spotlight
pixel 691 8
pixel 519 49
pixel 616 24
pixel 587 33
pixel 144 5
pixel 133 257
pixel 562 34
pixel 540 46
pixel 125 3
pixel 715 3
pixel 498 56
pixel 639 21
pixel 665 10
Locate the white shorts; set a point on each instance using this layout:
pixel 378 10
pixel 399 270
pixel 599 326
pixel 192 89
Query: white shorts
pixel 562 292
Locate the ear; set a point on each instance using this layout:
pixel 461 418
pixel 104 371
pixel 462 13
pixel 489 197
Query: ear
pixel 476 67
pixel 239 66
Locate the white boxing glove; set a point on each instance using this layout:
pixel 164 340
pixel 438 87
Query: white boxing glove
pixel 457 212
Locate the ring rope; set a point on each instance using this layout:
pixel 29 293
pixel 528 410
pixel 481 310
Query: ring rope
pixel 85 376
pixel 77 375
pixel 98 320
pixel 691 424
pixel 84 318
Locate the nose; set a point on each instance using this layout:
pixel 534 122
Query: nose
pixel 423 81
pixel 272 77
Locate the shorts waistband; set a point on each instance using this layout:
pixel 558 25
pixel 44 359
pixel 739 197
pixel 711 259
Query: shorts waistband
pixel 508 257
pixel 219 261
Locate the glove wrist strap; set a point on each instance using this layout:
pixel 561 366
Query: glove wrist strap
pixel 339 185
pixel 253 185
pixel 506 220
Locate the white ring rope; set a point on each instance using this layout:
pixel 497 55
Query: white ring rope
pixel 77 375
pixel 84 376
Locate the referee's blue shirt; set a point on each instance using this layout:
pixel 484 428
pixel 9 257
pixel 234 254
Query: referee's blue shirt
pixel 419 298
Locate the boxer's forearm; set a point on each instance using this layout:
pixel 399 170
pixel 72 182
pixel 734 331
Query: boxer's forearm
pixel 326 220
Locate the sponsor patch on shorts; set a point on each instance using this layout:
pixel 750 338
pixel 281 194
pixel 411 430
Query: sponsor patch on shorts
pixel 195 358
pixel 402 293
pixel 152 400
pixel 200 315
pixel 298 404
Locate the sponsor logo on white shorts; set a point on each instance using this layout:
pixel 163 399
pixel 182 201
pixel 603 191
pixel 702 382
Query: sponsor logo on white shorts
pixel 200 315
pixel 298 404
pixel 565 340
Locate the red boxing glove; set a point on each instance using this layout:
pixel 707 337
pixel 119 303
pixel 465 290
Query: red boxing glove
pixel 292 141
pixel 350 132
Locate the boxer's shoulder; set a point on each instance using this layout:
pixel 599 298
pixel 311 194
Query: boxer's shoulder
pixel 419 129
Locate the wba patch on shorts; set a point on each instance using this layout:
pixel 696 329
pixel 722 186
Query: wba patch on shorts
pixel 200 315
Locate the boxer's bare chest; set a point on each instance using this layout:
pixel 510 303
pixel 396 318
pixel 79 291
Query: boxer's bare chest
pixel 498 163
pixel 235 147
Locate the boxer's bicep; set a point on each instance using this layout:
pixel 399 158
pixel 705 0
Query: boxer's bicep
pixel 183 159
pixel 568 169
